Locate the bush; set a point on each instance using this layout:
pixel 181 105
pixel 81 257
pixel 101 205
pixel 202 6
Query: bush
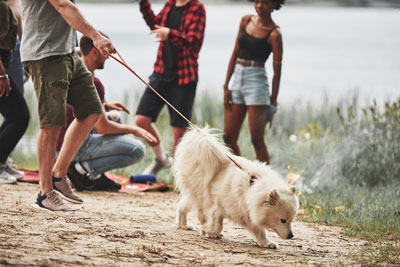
pixel 372 142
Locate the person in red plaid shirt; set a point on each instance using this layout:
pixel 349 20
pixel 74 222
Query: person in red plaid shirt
pixel 179 28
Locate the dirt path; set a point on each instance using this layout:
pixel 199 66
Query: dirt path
pixel 138 229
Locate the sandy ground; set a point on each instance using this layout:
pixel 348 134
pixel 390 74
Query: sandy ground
pixel 138 230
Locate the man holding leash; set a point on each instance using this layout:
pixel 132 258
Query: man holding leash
pixel 59 78
pixel 107 147
pixel 179 28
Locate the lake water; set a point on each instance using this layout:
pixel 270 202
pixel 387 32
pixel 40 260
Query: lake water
pixel 329 50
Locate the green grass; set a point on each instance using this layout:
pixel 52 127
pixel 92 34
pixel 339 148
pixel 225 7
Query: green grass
pixel 347 156
pixel 369 213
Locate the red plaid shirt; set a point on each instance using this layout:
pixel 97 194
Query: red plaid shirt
pixel 188 39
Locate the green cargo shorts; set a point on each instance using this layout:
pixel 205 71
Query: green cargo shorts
pixel 61 80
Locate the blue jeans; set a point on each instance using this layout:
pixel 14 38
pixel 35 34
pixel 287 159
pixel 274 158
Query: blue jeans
pixel 15 67
pixel 100 153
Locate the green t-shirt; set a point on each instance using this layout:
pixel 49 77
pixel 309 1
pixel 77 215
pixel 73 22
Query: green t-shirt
pixel 9 27
pixel 46 33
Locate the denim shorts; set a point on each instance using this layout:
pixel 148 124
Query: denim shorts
pixel 250 86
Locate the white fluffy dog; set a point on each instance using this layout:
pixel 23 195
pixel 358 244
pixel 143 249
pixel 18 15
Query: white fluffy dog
pixel 250 194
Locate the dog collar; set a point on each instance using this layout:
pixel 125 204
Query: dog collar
pixel 252 177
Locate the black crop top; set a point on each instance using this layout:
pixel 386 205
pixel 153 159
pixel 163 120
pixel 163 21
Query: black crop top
pixel 252 48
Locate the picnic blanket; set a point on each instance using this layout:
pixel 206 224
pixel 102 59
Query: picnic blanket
pixel 32 176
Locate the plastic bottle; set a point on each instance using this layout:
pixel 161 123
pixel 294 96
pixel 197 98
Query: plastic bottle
pixel 143 178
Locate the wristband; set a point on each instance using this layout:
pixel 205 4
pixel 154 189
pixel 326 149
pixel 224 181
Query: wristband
pixel 4 76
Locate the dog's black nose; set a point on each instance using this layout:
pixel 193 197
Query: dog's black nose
pixel 290 235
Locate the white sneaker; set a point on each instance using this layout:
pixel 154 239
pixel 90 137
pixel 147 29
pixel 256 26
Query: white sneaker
pixel 14 172
pixel 156 165
pixel 10 162
pixel 5 177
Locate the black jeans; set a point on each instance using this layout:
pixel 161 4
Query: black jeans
pixel 16 115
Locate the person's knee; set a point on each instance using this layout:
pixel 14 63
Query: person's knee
pixel 96 116
pixel 93 118
pixel 24 122
pixel 135 151
pixel 114 116
pixel 143 121
pixel 25 117
pixel 21 118
pixel 139 149
pixel 50 132
pixel 178 132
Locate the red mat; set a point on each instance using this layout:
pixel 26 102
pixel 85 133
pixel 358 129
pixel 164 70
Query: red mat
pixel 32 176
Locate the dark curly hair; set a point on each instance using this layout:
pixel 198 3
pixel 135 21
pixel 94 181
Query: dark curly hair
pixel 86 44
pixel 279 3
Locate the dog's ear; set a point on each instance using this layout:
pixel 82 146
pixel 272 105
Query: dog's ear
pixel 292 189
pixel 273 198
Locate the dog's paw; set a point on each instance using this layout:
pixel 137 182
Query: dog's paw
pixel 214 236
pixel 271 245
pixel 186 227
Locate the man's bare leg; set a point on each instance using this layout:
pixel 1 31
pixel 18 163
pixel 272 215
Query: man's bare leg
pixel 46 149
pixel 178 134
pixel 74 137
pixel 162 159
pixel 146 123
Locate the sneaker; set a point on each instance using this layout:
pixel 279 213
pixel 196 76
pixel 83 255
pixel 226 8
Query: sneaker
pixel 14 172
pixel 51 202
pixel 89 184
pixel 61 185
pixel 10 162
pixel 156 165
pixel 5 177
pixel 106 184
pixel 77 179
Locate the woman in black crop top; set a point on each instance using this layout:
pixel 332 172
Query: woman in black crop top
pixel 258 36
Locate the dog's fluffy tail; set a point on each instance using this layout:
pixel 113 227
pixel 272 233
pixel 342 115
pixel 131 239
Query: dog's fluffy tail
pixel 198 156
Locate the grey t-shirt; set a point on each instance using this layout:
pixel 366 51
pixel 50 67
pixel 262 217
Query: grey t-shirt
pixel 45 32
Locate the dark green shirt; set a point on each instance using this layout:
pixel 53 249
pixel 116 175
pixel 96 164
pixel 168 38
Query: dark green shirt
pixel 46 33
pixel 9 27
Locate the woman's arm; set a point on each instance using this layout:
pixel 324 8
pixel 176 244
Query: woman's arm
pixel 232 62
pixel 4 82
pixel 277 50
